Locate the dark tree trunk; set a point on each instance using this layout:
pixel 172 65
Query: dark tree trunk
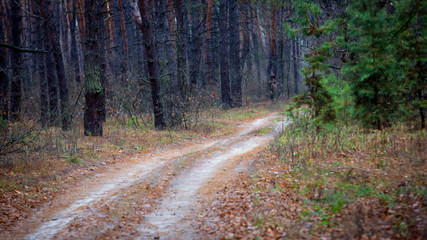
pixel 295 61
pixel 287 53
pixel 16 61
pixel 94 67
pixel 272 58
pixel 180 46
pixel 167 67
pixel 26 57
pixel 280 66
pixel 195 45
pixel 256 50
pixel 224 57
pixel 46 13
pixel 4 82
pixel 52 20
pixel 153 65
pixel 64 29
pixel 120 51
pixel 41 66
pixel 124 35
pixel 52 87
pixel 208 55
pixel 246 40
pixel 164 44
pixel 235 72
pixel 74 58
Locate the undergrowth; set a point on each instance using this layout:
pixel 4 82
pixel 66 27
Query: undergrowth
pixel 335 182
pixel 356 183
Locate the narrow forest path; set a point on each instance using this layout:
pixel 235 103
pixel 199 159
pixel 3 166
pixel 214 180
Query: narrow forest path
pixel 152 196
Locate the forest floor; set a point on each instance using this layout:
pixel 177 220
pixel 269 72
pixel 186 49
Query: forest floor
pixel 239 179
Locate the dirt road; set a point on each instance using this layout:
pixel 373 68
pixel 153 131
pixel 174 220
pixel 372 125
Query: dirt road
pixel 152 196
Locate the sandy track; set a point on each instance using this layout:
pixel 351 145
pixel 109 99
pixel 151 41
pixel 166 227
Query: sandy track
pixel 171 216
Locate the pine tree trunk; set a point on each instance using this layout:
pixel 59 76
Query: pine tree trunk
pixel 16 61
pixel 224 57
pixel 180 46
pixel 41 66
pixel 234 47
pixel 4 81
pixel 74 58
pixel 195 46
pixel 208 56
pixel 125 39
pixel 256 49
pixel 153 65
pixel 121 67
pixel 53 19
pixel 295 61
pixel 94 67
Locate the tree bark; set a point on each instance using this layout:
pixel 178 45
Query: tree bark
pixel 125 39
pixel 295 61
pixel 207 57
pixel 153 65
pixel 16 61
pixel 195 45
pixel 41 66
pixel 52 17
pixel 4 81
pixel 234 47
pixel 224 57
pixel 180 46
pixel 256 49
pixel 74 58
pixel 94 65
pixel 272 59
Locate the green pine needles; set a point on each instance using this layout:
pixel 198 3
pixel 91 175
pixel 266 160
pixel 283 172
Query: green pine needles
pixel 367 63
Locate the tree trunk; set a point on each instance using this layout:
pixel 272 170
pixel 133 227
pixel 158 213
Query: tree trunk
pixel 208 58
pixel 125 40
pixel 153 65
pixel 234 47
pixel 180 46
pixel 4 81
pixel 74 58
pixel 256 49
pixel 94 65
pixel 52 17
pixel 120 45
pixel 195 45
pixel 16 61
pixel 41 66
pixel 224 57
pixel 295 61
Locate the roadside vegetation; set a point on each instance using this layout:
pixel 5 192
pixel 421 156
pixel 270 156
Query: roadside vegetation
pixel 341 182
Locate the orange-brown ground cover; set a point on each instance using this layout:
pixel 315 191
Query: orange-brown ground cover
pixel 361 185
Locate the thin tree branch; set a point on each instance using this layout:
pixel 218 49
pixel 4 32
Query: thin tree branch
pixel 20 49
